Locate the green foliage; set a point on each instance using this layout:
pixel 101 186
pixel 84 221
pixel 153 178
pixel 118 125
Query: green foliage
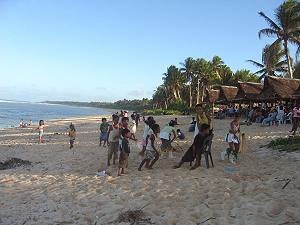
pixel 286 144
pixel 272 63
pixel 179 105
pixel 157 112
pixel 245 76
pixel 134 105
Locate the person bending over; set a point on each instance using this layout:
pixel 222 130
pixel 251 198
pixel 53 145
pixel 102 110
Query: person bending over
pixel 196 149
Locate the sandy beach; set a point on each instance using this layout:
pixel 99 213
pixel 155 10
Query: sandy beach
pixel 61 187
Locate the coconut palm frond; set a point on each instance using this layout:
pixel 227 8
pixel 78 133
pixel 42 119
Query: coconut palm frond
pixel 256 63
pixel 272 24
pixel 268 32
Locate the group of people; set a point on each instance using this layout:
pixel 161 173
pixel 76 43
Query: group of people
pixel 117 136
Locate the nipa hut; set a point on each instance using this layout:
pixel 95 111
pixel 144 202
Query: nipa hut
pixel 227 93
pixel 212 95
pixel 276 88
pixel 248 91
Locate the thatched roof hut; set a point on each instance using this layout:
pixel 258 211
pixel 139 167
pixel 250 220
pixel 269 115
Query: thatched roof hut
pixel 227 93
pixel 279 88
pixel 212 95
pixel 248 91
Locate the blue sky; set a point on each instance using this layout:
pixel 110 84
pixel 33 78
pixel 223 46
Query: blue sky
pixel 89 50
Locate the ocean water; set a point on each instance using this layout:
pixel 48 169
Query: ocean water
pixel 12 112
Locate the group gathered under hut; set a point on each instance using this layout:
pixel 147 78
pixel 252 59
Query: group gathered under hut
pixel 271 90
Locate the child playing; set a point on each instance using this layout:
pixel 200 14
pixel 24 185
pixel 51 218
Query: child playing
pixel 72 135
pixel 165 136
pixel 41 128
pixel 113 140
pixel 124 151
pixel 151 152
pixel 147 131
pixel 103 132
pixel 195 150
pixel 180 134
pixel 232 138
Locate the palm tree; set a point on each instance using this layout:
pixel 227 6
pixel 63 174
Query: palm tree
pixel 272 63
pixel 173 80
pixel 217 63
pixel 225 75
pixel 160 97
pixel 297 71
pixel 188 72
pixel 245 76
pixel 286 28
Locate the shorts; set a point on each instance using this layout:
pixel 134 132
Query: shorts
pixel 166 145
pixel 72 141
pixel 113 150
pixel 231 138
pixel 41 133
pixel 150 154
pixel 123 160
pixel 104 136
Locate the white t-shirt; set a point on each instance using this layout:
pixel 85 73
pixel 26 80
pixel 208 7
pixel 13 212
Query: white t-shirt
pixel 166 132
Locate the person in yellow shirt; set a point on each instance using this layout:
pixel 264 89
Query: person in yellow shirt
pixel 202 117
pixel 72 135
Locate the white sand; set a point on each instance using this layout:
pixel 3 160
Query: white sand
pixel 62 188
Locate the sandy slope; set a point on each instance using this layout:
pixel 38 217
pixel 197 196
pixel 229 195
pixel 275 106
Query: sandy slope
pixel 62 188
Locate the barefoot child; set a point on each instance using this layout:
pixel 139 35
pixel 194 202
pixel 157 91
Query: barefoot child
pixel 113 140
pixel 41 128
pixel 124 151
pixel 232 138
pixel 72 135
pixel 103 132
pixel 151 152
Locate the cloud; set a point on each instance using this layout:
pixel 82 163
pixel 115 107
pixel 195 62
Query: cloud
pixel 136 93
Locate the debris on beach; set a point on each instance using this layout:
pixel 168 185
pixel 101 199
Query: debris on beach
pixel 13 163
pixel 134 217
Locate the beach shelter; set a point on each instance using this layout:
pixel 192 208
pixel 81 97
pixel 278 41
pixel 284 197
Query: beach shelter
pixel 227 93
pixel 248 91
pixel 277 88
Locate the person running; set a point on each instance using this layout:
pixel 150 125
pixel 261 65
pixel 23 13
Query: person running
pixel 151 153
pixel 104 132
pixel 147 132
pixel 72 135
pixel 113 140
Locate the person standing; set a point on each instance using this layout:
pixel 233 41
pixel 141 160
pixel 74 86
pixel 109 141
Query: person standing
pixel 113 140
pixel 296 119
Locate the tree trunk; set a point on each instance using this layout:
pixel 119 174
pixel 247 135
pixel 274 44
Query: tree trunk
pixel 175 94
pixel 287 55
pixel 191 97
pixel 178 94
